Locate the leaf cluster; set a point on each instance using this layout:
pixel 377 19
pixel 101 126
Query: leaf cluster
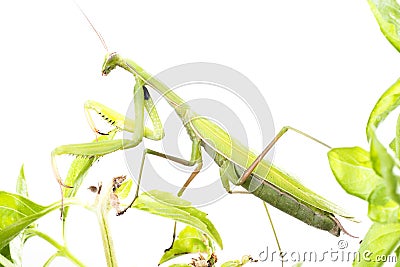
pixel 374 175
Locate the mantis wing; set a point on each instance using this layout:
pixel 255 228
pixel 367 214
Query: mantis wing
pixel 220 141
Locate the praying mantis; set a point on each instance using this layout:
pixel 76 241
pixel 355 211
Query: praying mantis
pixel 237 164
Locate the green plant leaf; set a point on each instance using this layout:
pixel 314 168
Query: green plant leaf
pixel 387 14
pixel 353 170
pixel 21 187
pixel 234 263
pixel 4 262
pixel 393 145
pixel 168 198
pixel 238 263
pixel 384 165
pixel 169 206
pixel 382 208
pixel 79 169
pixel 124 189
pixel 381 240
pixel 396 140
pixel 386 104
pixel 6 253
pixel 13 250
pixel 16 213
pixel 189 240
pixel 76 173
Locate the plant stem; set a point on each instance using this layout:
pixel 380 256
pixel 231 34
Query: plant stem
pixel 52 257
pixel 63 250
pixel 5 262
pixel 67 202
pixel 103 207
pixel 107 241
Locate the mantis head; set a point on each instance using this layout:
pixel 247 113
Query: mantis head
pixel 110 62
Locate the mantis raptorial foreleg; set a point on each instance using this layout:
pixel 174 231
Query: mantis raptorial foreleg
pixel 102 148
pixel 124 123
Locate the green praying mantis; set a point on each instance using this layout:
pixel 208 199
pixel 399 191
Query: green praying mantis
pixel 237 164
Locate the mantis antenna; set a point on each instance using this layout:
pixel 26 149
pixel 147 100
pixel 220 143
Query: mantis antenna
pixel 91 25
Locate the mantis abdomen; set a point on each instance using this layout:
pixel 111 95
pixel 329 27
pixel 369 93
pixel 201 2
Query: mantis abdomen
pixel 285 202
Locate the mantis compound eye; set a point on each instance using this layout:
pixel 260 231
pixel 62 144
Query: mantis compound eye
pixel 112 55
pixel 110 63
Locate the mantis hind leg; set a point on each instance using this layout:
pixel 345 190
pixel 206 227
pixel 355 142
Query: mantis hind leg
pixel 260 157
pixel 274 231
pixel 228 173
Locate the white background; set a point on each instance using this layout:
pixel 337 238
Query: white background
pixel 321 65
